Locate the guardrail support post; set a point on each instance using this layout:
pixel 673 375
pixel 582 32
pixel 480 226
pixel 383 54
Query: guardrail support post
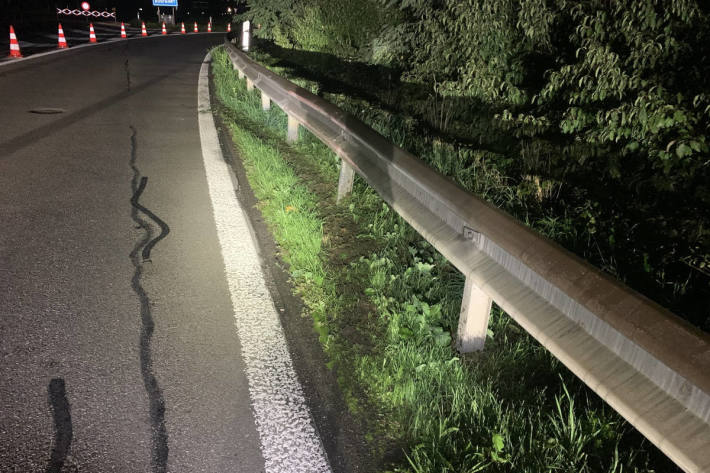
pixel 292 134
pixel 265 101
pixel 250 85
pixel 345 182
pixel 240 74
pixel 473 321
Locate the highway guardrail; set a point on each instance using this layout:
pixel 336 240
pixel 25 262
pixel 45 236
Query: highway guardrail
pixel 648 364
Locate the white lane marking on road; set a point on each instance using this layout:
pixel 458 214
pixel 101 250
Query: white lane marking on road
pixel 288 438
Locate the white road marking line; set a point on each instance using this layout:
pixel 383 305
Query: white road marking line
pixel 289 441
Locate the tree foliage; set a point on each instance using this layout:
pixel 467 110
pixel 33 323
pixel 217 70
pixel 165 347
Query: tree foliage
pixel 607 103
pixel 340 27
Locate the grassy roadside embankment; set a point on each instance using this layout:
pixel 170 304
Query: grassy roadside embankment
pixel 384 303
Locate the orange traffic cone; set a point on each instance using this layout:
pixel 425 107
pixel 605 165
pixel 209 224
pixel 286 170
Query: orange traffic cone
pixel 61 40
pixel 92 33
pixel 165 31
pixel 195 29
pixel 229 27
pixel 143 31
pixel 182 28
pixel 209 27
pixel 123 30
pixel 14 45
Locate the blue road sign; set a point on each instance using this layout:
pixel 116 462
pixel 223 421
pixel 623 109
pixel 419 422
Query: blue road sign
pixel 165 3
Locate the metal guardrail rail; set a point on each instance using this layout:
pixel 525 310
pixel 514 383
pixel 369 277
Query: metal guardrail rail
pixel 648 364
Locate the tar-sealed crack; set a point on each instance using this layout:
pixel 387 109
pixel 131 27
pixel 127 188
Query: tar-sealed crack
pixel 128 74
pixel 63 431
pixel 139 256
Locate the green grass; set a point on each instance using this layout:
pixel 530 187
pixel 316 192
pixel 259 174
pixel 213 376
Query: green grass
pixel 385 305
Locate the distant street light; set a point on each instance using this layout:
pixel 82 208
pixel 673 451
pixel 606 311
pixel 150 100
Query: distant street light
pixel 139 13
pixel 85 6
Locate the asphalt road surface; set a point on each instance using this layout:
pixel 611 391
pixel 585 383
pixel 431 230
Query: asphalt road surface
pixel 118 347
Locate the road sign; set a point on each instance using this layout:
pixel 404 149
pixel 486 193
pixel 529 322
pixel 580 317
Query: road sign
pixel 85 6
pixel 165 3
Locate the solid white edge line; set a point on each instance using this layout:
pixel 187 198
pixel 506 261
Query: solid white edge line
pixel 289 441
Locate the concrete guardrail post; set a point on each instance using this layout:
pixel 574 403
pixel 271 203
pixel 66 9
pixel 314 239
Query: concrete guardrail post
pixel 473 321
pixel 250 85
pixel 240 74
pixel 265 101
pixel 345 182
pixel 292 134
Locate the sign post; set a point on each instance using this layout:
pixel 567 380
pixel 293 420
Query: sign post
pixel 166 3
pixel 85 7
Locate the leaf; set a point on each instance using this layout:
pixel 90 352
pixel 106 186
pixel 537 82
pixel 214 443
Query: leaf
pixel 632 146
pixel 643 117
pixel 683 150
pixel 498 443
pixel 405 333
pixel 443 339
pixel 456 358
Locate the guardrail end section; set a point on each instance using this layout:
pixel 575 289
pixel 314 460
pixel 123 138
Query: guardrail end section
pixel 473 321
pixel 292 133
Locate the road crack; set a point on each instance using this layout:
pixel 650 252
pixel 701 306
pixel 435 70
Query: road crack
pixel 127 68
pixel 140 255
pixel 63 432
